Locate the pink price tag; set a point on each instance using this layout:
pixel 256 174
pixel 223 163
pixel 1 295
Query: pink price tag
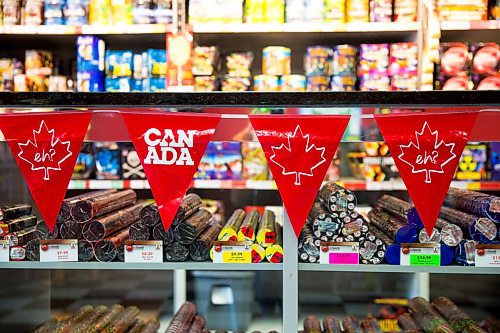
pixel 344 258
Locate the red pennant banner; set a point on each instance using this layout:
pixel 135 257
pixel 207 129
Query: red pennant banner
pixel 170 147
pixel 46 147
pixel 299 150
pixel 426 148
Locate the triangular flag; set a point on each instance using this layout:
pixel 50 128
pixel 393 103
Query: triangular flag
pixel 46 146
pixel 170 147
pixel 426 148
pixel 299 150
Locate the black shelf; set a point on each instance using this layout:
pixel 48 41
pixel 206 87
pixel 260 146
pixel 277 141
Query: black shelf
pixel 255 99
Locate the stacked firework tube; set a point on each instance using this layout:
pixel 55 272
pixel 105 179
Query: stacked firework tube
pixel 115 318
pixel 19 227
pixel 464 66
pixel 276 71
pixel 263 232
pixel 333 218
pixel 239 72
pixel 418 315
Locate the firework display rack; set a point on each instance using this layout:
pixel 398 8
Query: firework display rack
pixel 106 106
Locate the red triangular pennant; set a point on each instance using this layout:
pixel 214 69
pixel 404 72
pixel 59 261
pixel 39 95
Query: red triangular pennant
pixel 426 148
pixel 170 147
pixel 299 150
pixel 46 147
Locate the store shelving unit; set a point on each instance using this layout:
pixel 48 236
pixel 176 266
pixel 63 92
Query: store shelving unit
pixel 290 267
pixel 135 29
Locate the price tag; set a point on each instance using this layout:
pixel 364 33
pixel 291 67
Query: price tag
pixel 143 251
pixel 339 253
pixel 232 253
pixel 420 254
pixel 4 250
pixel 487 255
pixel 58 250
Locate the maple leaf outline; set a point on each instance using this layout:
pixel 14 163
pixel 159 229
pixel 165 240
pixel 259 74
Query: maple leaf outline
pixel 52 144
pixel 436 146
pixel 308 149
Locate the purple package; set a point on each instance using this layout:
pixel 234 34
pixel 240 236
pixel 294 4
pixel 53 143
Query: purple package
pixel 228 161
pixel 495 160
pixel 373 59
pixel 380 11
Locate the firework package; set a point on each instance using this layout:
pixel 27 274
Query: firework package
pixel 464 66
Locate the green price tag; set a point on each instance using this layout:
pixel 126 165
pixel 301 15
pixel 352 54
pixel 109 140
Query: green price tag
pixel 425 260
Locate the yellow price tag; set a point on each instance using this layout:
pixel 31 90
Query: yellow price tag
pixel 237 257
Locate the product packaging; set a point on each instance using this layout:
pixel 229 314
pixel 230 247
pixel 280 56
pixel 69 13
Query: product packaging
pixel 38 62
pixel 276 60
pixel 117 84
pixel 343 83
pixel 344 60
pixel 239 64
pixel 90 81
pixel 254 162
pixel 454 59
pixel 380 11
pixel 335 11
pixel 107 160
pixel 472 164
pixel 90 53
pixel 227 160
pixel 373 59
pixel 205 60
pixel 293 83
pixel 317 60
pixel 131 163
pixel 119 63
pixel 485 58
pixel 266 83
pixel 157 62
pixel 84 167
pixel 318 83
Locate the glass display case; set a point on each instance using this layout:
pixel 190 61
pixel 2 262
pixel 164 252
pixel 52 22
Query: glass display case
pixel 273 211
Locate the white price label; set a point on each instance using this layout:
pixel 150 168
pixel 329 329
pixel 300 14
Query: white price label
pixel 341 253
pixel 487 255
pixel 420 254
pixel 4 250
pixel 143 251
pixel 58 250
pixel 232 253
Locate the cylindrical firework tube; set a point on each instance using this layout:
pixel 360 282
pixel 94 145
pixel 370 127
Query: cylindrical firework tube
pixel 21 237
pixel 372 249
pixel 392 249
pixel 402 209
pixel 87 209
pixel 457 318
pixel 47 326
pixel 159 233
pixel 65 211
pixel 87 323
pixel 122 321
pixel 107 249
pixel 427 317
pixel 355 228
pixel 183 319
pixel 139 231
pixel 230 230
pixel 465 253
pixel 451 234
pixel 323 221
pixel 200 249
pixel 308 250
pixel 70 230
pixel 490 325
pixel 480 229
pixel 99 325
pixel 370 325
pixel 331 325
pixel 67 324
pixel 274 252
pixel 189 205
pixel 266 235
pixel 435 236
pixel 33 250
pixel 14 211
pixel 189 229
pixel 258 253
pixel 248 229
pixel 20 223
pixel 312 325
pixel 151 326
pixel 351 325
pixel 407 323
pixel 176 252
pixel 150 216
pixel 101 227
pixel 85 251
pixel 198 325
pixel 136 326
pixel 43 232
pixel 473 202
pixel 395 228
pixel 336 198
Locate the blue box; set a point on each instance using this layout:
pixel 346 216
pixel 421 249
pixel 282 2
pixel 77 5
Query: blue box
pixel 154 84
pixel 136 85
pixel 157 62
pixel 89 54
pixel 90 81
pixel 119 63
pixel 120 84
